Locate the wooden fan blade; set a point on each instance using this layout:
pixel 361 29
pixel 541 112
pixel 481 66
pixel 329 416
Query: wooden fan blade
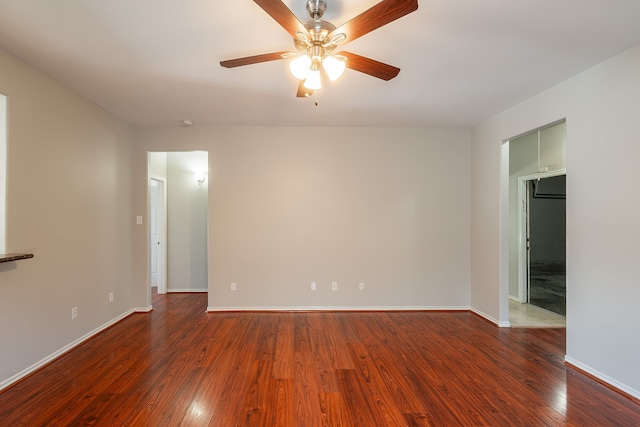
pixel 247 60
pixel 303 92
pixel 381 14
pixel 283 16
pixel 370 66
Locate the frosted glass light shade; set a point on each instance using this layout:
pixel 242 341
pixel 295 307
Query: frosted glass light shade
pixel 313 80
pixel 334 67
pixel 300 67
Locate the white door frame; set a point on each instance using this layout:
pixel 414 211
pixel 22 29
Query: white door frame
pixel 162 233
pixel 523 224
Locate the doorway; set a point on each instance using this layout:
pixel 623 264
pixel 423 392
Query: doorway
pixel 178 222
pixel 543 227
pixel 531 162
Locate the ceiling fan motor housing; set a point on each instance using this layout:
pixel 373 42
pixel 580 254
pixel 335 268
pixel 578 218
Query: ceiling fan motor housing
pixel 319 29
pixel 316 45
pixel 316 8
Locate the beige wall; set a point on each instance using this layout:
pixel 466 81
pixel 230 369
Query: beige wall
pixel 158 165
pixel 69 203
pixel 601 107
pixel 288 206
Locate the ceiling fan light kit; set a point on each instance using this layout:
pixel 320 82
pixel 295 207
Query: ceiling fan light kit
pixel 300 66
pixel 316 40
pixel 313 80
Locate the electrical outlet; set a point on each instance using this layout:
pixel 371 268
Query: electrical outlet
pixel 74 313
pixel 233 286
pixel 110 296
pixel 334 286
pixel 313 286
pixel 361 286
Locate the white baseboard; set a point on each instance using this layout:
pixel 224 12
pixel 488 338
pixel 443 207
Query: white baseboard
pixel 176 291
pixel 6 383
pixel 491 319
pixel 142 309
pixel 604 378
pixel 337 308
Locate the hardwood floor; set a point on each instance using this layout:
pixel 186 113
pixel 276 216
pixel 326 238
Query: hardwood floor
pixel 181 366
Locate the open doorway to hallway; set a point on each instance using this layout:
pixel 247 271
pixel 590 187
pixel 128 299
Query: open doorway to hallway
pixel 537 227
pixel 178 225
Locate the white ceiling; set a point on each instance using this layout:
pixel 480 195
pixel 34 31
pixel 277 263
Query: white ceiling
pixel 156 62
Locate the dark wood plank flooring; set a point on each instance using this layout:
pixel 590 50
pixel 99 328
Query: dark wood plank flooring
pixel 181 366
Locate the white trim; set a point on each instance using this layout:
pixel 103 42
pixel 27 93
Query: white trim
pixel 177 291
pixel 541 175
pixel 6 383
pixel 504 238
pixel 616 384
pixel 3 172
pixel 491 319
pixel 142 309
pixel 523 216
pixel 337 308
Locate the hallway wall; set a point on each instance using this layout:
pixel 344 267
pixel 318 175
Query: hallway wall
pixel 186 222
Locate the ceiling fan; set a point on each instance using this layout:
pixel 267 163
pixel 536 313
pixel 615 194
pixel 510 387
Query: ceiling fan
pixel 316 40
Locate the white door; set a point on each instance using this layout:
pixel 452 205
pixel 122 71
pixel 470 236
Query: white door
pixel 153 189
pixel 157 233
